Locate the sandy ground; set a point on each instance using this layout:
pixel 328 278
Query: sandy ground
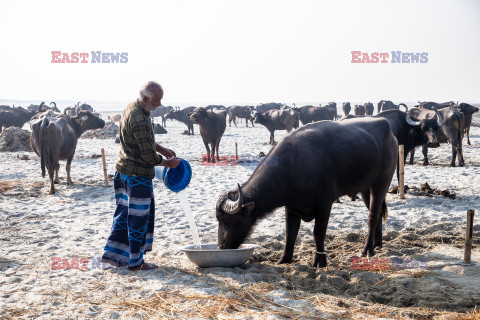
pixel 425 233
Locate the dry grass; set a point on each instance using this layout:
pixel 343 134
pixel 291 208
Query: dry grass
pixel 247 300
pixel 9 185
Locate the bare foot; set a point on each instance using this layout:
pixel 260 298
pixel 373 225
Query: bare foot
pixel 144 266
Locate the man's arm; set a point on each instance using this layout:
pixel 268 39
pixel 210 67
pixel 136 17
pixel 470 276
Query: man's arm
pixel 167 153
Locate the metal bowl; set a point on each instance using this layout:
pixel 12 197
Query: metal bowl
pixel 207 255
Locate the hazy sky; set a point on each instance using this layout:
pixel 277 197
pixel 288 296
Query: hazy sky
pixel 241 51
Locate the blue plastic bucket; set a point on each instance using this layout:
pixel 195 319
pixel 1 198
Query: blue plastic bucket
pixel 175 179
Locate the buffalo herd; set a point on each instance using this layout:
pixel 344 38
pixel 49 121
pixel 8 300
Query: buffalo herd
pixel 314 164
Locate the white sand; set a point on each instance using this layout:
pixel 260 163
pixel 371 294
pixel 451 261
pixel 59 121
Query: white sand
pixel 75 222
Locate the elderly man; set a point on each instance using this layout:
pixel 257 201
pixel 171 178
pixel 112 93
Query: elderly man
pixel 131 235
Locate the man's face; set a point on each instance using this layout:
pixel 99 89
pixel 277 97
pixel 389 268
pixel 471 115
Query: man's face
pixel 155 101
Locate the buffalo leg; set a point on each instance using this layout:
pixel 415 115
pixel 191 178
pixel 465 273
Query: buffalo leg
pixel 292 227
pixel 68 166
pixel 412 156
pixel 50 177
pixel 425 154
pixel 208 151
pixel 213 151
pixel 319 233
pixel 246 122
pixel 377 197
pixel 217 144
pixel 57 167
pixel 457 153
pixel 378 229
pixel 467 132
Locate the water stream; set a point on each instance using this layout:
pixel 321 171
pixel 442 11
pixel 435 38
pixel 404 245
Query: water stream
pixel 183 198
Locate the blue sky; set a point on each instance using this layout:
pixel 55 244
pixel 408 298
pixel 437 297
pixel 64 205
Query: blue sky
pixel 241 51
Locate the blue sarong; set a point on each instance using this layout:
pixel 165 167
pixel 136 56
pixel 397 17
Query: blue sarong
pixel 133 222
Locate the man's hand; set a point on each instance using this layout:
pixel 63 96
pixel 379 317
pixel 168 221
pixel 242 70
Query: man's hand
pixel 167 153
pixel 171 162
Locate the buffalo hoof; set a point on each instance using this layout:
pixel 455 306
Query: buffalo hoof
pixel 425 162
pixel 453 164
pixel 56 181
pixel 462 164
pixel 285 260
pixel 70 182
pixel 410 162
pixel 378 243
pixel 369 252
pixel 320 260
pixel 51 191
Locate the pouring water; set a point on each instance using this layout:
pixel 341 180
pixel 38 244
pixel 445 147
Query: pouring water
pixel 183 198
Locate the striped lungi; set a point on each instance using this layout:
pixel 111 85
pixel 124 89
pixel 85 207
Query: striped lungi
pixel 133 222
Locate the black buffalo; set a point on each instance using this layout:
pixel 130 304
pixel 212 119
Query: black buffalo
pixel 310 114
pixel 212 126
pixel 384 105
pixel 182 116
pixel 55 138
pixel 413 128
pixel 451 130
pixel 359 110
pixel 305 173
pixel 284 119
pixel 333 106
pixel 264 107
pixel 239 112
pixel 369 108
pixel 346 108
pixel 15 117
pixel 434 105
pixel 468 110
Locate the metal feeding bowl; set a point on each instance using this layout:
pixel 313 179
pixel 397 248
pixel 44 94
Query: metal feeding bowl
pixel 207 255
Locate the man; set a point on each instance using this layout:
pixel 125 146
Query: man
pixel 133 222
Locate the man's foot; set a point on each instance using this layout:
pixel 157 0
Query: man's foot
pixel 144 266
pixel 111 263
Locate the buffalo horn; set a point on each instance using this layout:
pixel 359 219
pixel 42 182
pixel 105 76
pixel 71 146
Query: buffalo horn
pixel 233 207
pixel 409 119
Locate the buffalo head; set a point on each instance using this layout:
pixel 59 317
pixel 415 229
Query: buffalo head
pixel 467 109
pixel 199 115
pixel 88 121
pixel 234 219
pixel 258 117
pixel 429 121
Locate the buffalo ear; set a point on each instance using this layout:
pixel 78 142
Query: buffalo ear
pixel 249 207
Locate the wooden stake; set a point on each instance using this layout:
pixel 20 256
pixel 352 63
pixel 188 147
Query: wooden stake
pixel 468 238
pixel 104 168
pixel 236 151
pixel 401 171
